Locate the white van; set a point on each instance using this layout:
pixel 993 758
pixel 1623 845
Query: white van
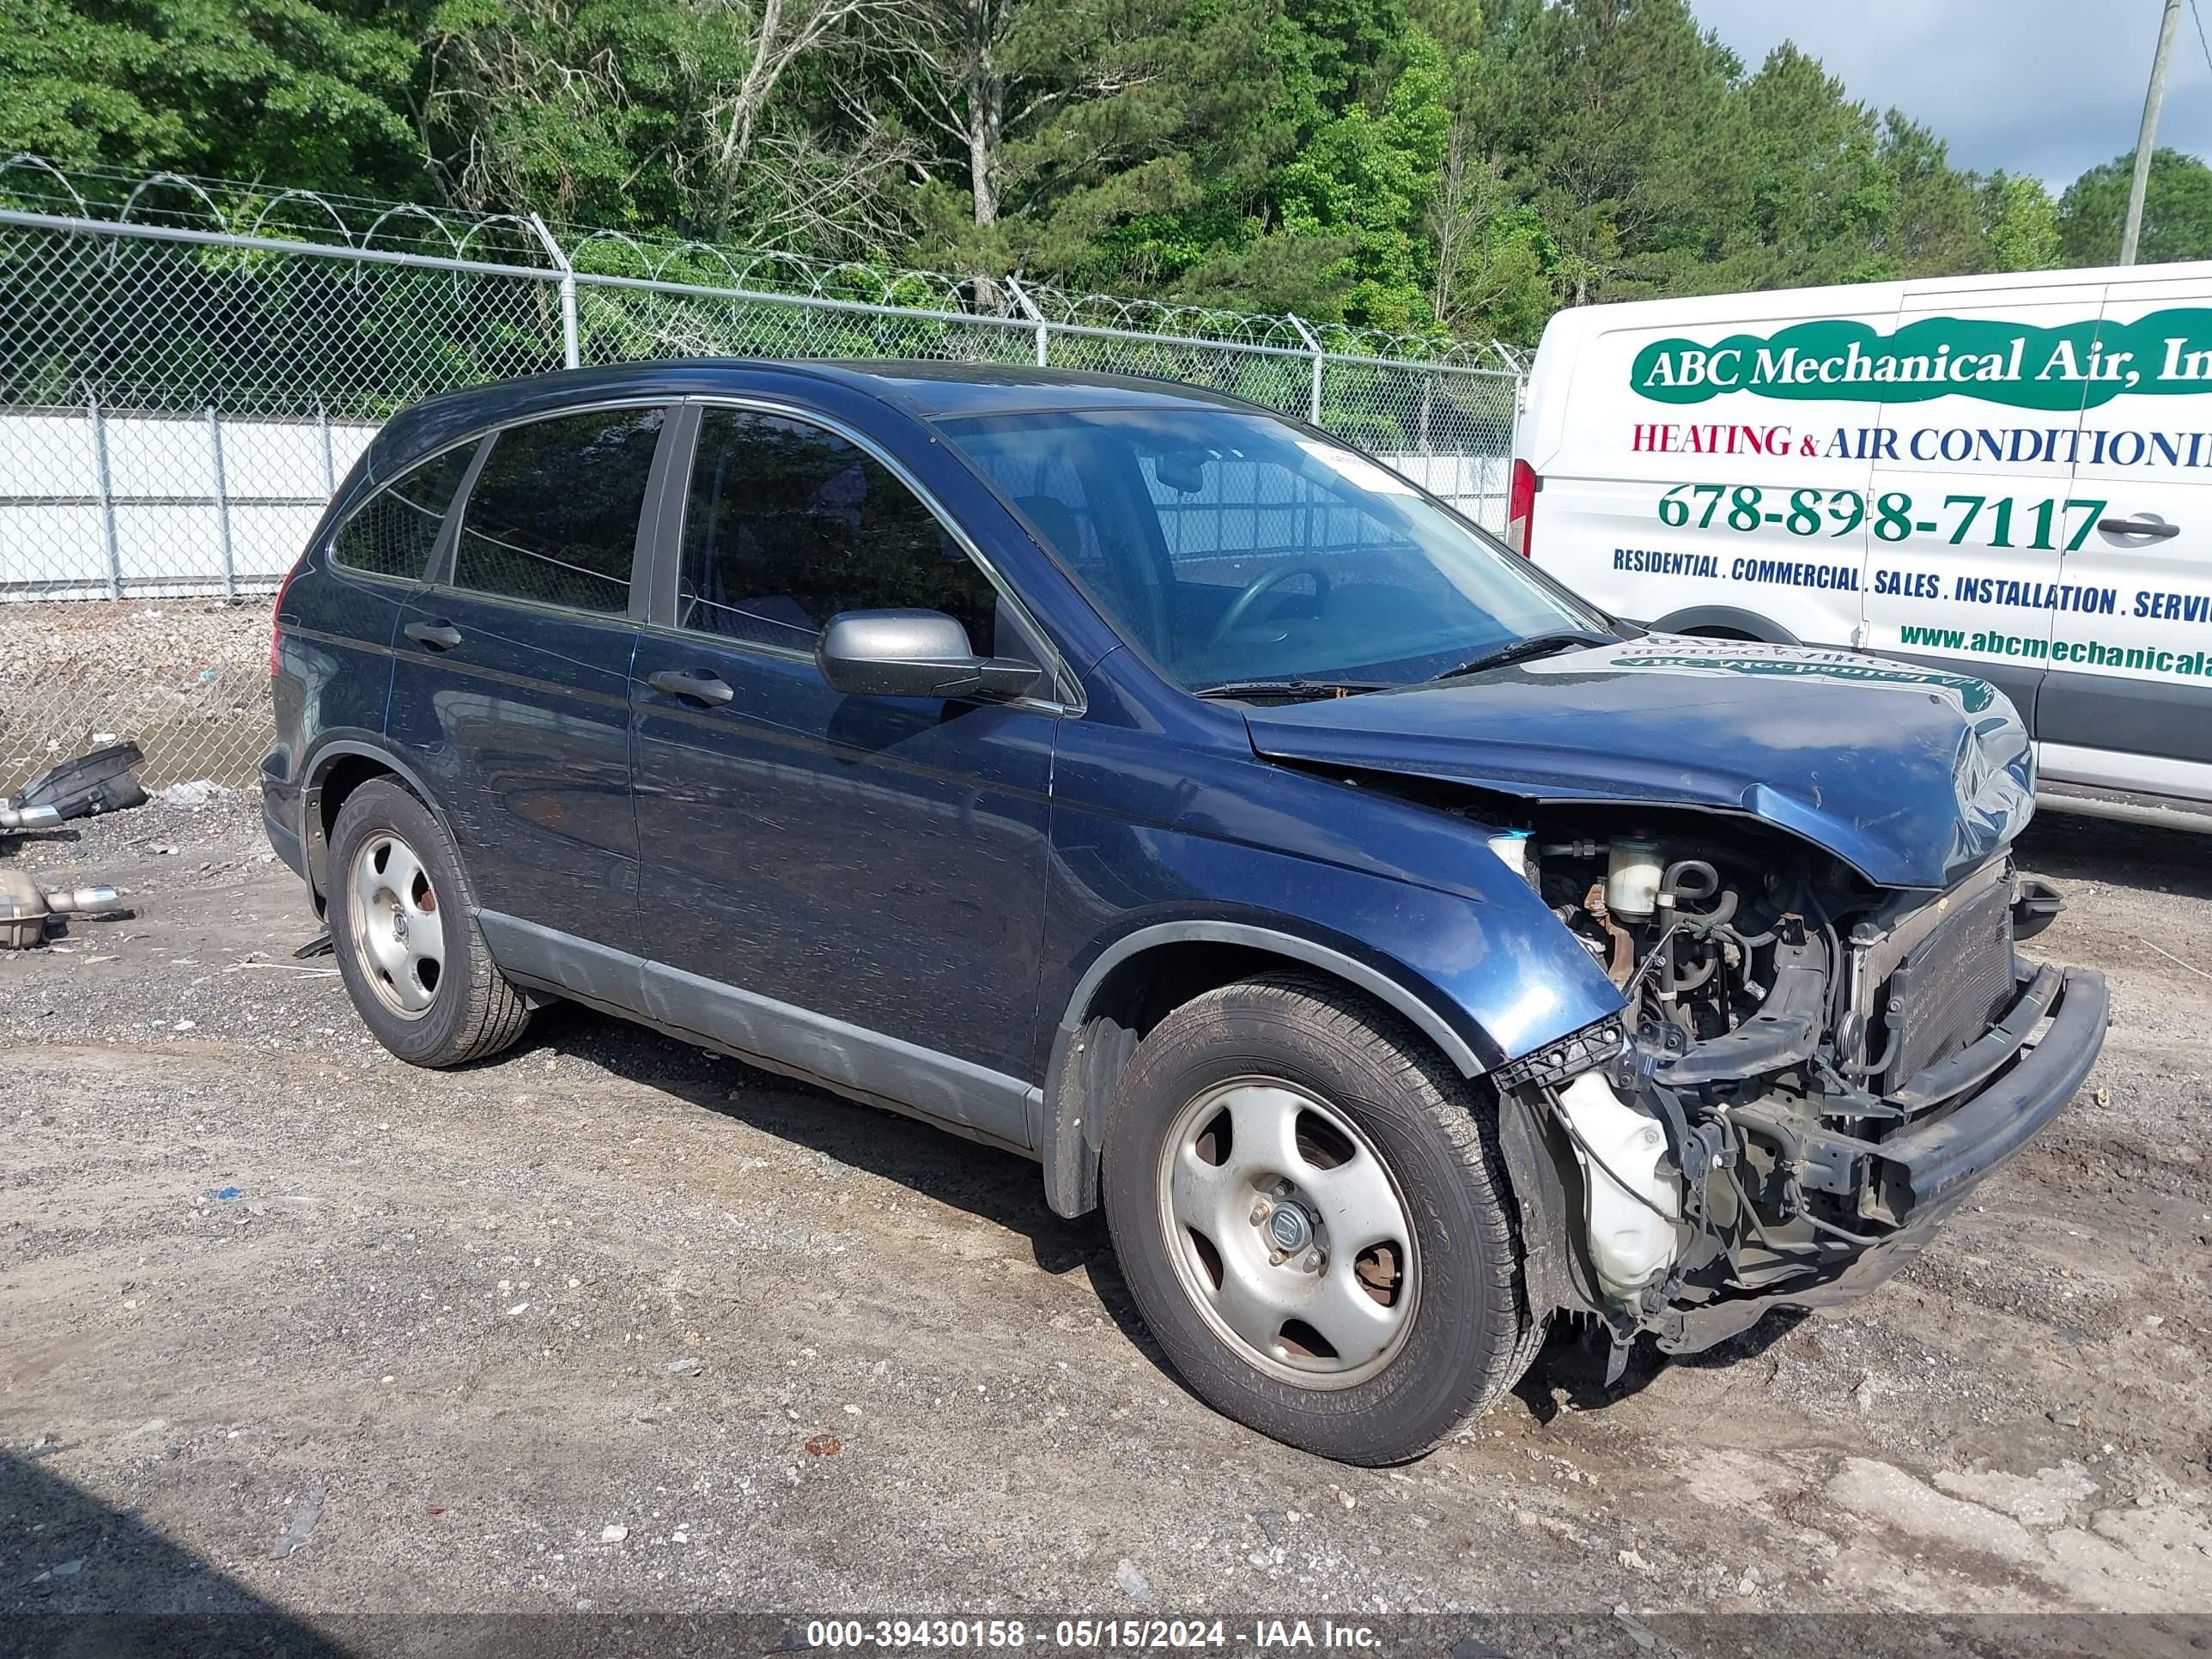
pixel 2009 478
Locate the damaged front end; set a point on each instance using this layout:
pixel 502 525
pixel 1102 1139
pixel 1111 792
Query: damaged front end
pixel 1808 1074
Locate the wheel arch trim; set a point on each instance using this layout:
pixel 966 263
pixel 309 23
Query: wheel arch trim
pixel 1065 1141
pixel 315 769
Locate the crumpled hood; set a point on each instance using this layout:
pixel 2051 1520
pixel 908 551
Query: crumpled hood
pixel 1910 775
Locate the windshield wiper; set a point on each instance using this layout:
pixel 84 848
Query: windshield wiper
pixel 1239 690
pixel 1536 645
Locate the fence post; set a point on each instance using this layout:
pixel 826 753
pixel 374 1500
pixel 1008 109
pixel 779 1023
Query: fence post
pixel 1313 398
pixel 107 495
pixel 330 458
pixel 222 505
pixel 1043 334
pixel 572 352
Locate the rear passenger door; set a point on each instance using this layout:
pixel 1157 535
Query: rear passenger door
pixel 851 886
pixel 511 682
pixel 341 617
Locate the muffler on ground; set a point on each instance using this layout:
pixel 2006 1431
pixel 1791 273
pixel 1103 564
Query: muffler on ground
pixel 25 906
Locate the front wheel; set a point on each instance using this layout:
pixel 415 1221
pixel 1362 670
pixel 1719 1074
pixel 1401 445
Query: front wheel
pixel 1308 1207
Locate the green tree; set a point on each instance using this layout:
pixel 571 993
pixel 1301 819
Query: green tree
pixel 1613 115
pixel 1655 165
pixel 1801 192
pixel 307 92
pixel 1067 122
pixel 1366 181
pixel 1496 266
pixel 1935 227
pixel 660 114
pixel 2023 224
pixel 2177 222
pixel 1410 165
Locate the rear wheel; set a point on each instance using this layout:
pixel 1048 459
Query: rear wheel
pixel 1308 1206
pixel 405 936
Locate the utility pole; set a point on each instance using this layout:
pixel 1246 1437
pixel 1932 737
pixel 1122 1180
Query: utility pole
pixel 2148 138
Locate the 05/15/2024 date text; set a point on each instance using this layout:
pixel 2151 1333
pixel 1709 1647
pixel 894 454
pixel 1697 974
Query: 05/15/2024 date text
pixel 1990 522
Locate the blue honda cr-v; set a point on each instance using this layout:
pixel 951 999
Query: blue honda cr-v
pixel 1398 948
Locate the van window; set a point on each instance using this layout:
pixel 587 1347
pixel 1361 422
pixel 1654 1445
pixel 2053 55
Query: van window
pixel 553 516
pixel 787 524
pixel 396 528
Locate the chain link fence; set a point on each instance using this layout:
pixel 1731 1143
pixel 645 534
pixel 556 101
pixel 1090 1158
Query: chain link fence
pixel 188 367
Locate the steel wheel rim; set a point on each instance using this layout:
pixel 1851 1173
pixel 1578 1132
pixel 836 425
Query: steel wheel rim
pixel 1260 1298
pixel 397 925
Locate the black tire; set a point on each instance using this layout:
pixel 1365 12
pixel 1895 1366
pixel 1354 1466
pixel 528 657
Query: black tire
pixel 472 1011
pixel 1469 1335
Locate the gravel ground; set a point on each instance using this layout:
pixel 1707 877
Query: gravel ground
pixel 611 1322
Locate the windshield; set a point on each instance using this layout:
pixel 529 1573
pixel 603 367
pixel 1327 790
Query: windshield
pixel 1236 548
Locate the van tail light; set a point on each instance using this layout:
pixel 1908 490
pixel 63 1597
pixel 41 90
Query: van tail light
pixel 1521 508
pixel 277 617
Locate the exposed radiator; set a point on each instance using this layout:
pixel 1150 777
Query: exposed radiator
pixel 1951 985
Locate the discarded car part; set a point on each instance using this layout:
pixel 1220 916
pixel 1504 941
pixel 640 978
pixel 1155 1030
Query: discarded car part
pixel 99 781
pixel 27 817
pixel 25 906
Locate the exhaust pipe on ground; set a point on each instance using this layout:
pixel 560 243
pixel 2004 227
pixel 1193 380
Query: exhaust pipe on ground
pixel 25 906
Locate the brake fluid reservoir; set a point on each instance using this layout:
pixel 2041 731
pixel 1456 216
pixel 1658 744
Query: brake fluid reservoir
pixel 1633 1206
pixel 1631 878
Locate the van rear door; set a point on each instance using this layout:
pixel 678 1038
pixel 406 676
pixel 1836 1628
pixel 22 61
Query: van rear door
pixel 1967 512
pixel 2127 703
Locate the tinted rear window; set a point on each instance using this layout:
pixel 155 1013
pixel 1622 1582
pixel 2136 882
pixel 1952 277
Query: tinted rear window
pixel 394 531
pixel 553 516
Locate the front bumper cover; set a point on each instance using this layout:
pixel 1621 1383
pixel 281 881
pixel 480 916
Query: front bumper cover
pixel 1940 1159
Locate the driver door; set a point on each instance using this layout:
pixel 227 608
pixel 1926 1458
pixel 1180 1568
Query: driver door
pixel 844 883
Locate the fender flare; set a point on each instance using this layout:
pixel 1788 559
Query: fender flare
pixel 1725 616
pixel 1069 1146
pixel 315 767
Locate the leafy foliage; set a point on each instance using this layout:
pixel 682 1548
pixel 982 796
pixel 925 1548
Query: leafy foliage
pixel 312 93
pixel 2177 222
pixel 1423 167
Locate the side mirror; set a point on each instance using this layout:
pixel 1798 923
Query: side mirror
pixel 915 654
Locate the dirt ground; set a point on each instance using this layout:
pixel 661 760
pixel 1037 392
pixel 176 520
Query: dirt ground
pixel 614 1324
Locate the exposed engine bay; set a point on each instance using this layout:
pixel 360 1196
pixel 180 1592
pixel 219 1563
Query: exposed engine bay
pixel 1807 1068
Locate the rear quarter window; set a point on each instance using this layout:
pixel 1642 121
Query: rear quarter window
pixel 392 532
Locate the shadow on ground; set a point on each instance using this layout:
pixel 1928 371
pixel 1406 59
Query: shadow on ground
pixel 1570 1370
pixel 1000 1188
pixel 1004 1189
pixel 79 1577
pixel 2072 847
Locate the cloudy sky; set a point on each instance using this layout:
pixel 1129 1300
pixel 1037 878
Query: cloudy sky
pixel 2048 87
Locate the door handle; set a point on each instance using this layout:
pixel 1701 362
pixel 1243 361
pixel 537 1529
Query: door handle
pixel 2151 527
pixel 696 683
pixel 439 635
